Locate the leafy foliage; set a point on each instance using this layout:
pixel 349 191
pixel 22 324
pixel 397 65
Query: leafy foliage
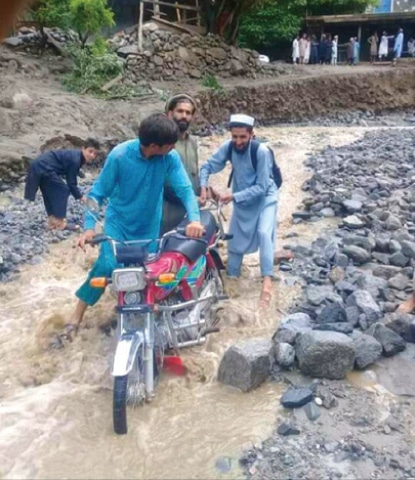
pixel 91 68
pixel 210 81
pixel 89 17
pixel 261 22
pixel 51 13
pixel 269 24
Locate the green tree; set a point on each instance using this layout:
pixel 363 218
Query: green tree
pixel 89 17
pixel 268 19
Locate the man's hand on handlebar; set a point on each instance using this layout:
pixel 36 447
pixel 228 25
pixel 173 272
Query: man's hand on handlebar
pixel 194 230
pixel 85 238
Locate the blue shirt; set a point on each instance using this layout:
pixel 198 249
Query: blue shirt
pixel 65 163
pixel 134 186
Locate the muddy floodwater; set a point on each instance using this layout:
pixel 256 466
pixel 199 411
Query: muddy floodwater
pixel 56 406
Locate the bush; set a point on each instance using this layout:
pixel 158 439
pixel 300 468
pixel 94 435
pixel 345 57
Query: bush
pixel 210 81
pixel 92 68
pixel 89 17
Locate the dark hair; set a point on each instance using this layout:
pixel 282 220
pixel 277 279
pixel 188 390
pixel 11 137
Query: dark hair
pixel 241 125
pixel 91 143
pixel 158 129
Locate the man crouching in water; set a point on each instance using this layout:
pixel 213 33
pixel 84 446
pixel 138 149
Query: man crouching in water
pixel 133 179
pixel 254 196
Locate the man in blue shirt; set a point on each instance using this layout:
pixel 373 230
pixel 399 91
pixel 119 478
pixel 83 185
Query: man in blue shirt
pixel 254 196
pixel 133 179
pixel 46 172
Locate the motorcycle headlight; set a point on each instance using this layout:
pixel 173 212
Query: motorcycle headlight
pixel 128 280
pixel 132 298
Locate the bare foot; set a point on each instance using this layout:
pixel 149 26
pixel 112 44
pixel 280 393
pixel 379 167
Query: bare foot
pixel 407 307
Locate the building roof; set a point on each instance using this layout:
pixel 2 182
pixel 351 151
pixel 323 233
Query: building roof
pixel 362 18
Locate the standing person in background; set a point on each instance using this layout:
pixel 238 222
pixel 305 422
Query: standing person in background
pixel 302 46
pixel 314 57
pixel 307 51
pixel 373 42
pixel 350 52
pixel 384 46
pixel 328 50
pixel 398 46
pixel 411 47
pixel 334 50
pixel 46 172
pixel 356 51
pixel 322 49
pixel 296 50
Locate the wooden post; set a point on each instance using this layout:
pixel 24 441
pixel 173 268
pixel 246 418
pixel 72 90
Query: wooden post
pixel 156 8
pixel 140 27
pixel 198 13
pixel 179 17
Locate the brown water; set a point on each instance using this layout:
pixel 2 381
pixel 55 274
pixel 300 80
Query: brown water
pixel 55 410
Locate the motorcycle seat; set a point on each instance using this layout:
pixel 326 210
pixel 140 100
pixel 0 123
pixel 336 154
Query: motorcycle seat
pixel 192 248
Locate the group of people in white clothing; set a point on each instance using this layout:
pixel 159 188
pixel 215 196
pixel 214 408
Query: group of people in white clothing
pixel 309 50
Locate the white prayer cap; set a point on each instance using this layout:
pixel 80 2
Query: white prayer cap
pixel 241 119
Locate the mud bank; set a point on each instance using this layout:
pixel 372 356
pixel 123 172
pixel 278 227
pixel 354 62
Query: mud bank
pixel 307 98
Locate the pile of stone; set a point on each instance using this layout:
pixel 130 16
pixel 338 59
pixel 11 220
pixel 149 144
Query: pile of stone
pixel 355 276
pixel 169 56
pixel 29 36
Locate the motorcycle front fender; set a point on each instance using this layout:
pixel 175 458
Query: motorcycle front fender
pixel 126 352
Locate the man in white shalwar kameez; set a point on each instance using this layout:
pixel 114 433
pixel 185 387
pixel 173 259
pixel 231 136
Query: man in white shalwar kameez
pixel 254 196
pixel 296 50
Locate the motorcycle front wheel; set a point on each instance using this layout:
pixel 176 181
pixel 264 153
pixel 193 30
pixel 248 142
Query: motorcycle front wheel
pixel 120 405
pixel 128 390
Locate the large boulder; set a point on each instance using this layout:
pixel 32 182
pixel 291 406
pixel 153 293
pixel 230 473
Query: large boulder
pixel 246 364
pixel 367 348
pixel 391 342
pixel 325 354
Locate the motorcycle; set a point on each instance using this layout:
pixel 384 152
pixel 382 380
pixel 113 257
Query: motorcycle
pixel 166 291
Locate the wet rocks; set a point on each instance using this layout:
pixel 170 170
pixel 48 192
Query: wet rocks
pixel 288 428
pixel 391 342
pixel 366 305
pixel 246 364
pixel 296 397
pixel 357 254
pixel 402 324
pixel 325 354
pixel 368 350
pixel 284 354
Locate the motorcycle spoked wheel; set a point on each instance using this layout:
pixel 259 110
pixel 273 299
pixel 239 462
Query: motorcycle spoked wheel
pixel 129 390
